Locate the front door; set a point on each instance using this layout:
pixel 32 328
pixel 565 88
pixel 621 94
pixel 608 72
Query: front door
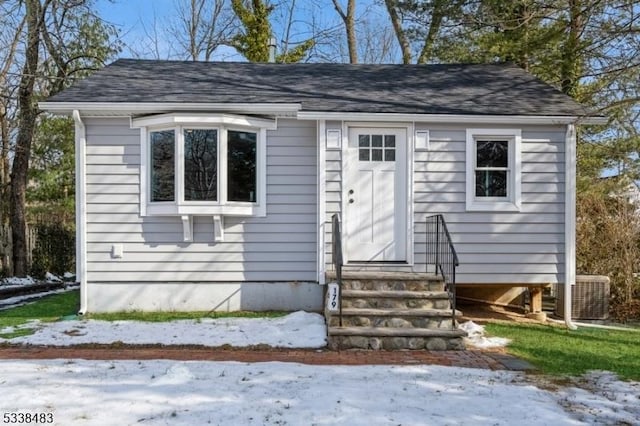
pixel 375 181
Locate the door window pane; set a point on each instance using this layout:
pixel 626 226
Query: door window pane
pixel 389 155
pixel 162 165
pixel 390 141
pixel 241 166
pixel 376 155
pixel 200 164
pixel 364 141
pixel 376 140
pixel 363 154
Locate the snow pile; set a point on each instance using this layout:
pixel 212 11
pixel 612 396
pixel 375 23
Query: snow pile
pixel 29 280
pixel 163 392
pixel 600 398
pixel 296 330
pixel 16 281
pixel 51 278
pixel 475 337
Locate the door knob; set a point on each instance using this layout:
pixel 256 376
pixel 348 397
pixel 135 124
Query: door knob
pixel 351 200
pixel 350 191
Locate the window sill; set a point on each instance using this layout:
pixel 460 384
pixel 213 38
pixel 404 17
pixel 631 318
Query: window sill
pixel 229 209
pixel 492 206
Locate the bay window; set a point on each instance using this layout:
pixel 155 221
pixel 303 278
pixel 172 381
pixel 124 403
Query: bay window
pixel 203 165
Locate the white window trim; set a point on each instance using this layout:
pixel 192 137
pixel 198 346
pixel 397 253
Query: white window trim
pixel 513 201
pixel 222 123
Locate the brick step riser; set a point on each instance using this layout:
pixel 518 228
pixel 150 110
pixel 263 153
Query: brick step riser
pixel 396 343
pixel 432 323
pixel 395 303
pixel 392 285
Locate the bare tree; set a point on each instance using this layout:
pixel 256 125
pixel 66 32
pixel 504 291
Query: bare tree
pixel 377 42
pixel 396 21
pixel 28 112
pixel 202 26
pixel 420 23
pixel 350 26
pixel 63 40
pixel 12 25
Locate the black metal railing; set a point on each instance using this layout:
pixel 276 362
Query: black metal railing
pixel 336 253
pixel 442 255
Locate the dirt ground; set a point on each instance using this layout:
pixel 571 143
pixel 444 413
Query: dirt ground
pixel 481 313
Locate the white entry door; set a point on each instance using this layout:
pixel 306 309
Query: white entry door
pixel 375 182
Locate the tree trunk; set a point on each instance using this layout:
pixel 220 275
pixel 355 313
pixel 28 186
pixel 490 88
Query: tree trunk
pixel 349 20
pixel 434 28
pixel 26 127
pixel 571 57
pixel 400 34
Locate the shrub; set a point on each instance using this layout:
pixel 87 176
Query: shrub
pixel 608 238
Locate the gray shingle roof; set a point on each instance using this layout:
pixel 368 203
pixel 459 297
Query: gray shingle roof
pixel 489 89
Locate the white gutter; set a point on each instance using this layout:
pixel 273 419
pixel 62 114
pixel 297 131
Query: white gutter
pixel 449 118
pixel 569 222
pixel 322 195
pixel 129 108
pixel 600 326
pixel 81 210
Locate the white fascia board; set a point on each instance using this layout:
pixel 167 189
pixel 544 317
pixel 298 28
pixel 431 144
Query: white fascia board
pixel 200 119
pixel 450 118
pixel 132 108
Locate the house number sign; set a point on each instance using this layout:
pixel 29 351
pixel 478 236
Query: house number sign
pixel 334 301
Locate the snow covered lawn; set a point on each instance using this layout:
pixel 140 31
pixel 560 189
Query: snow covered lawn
pixel 296 330
pixel 82 392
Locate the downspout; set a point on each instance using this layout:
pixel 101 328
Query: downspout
pixel 81 210
pixel 569 222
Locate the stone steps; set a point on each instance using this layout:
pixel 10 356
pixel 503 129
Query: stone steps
pixel 393 311
pixel 395 318
pixel 385 299
pixel 388 338
pixel 389 281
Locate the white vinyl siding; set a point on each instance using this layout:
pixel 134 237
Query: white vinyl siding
pixel 525 246
pixel 280 247
pixel 496 247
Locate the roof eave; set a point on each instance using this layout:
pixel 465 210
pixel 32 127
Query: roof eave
pixel 126 109
pixel 452 118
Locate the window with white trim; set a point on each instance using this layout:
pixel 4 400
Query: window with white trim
pixel 203 165
pixel 493 169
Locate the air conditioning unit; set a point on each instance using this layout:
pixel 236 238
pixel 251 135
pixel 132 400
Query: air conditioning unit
pixel 589 298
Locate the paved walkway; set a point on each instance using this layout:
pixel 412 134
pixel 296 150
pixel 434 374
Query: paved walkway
pixel 491 360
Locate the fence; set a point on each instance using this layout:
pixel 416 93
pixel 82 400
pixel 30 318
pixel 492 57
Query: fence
pixel 50 248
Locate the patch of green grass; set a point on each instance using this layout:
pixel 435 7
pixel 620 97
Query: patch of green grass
pixel 49 308
pixel 558 351
pixel 17 333
pixel 171 316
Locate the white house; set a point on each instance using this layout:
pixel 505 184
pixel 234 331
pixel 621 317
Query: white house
pixel 206 186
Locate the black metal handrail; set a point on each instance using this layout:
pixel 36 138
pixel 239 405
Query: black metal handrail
pixel 336 253
pixel 442 254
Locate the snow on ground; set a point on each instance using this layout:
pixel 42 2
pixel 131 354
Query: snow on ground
pixel 296 330
pixel 168 392
pixel 164 392
pixel 601 398
pixel 28 280
pixel 476 338
pixel 17 281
